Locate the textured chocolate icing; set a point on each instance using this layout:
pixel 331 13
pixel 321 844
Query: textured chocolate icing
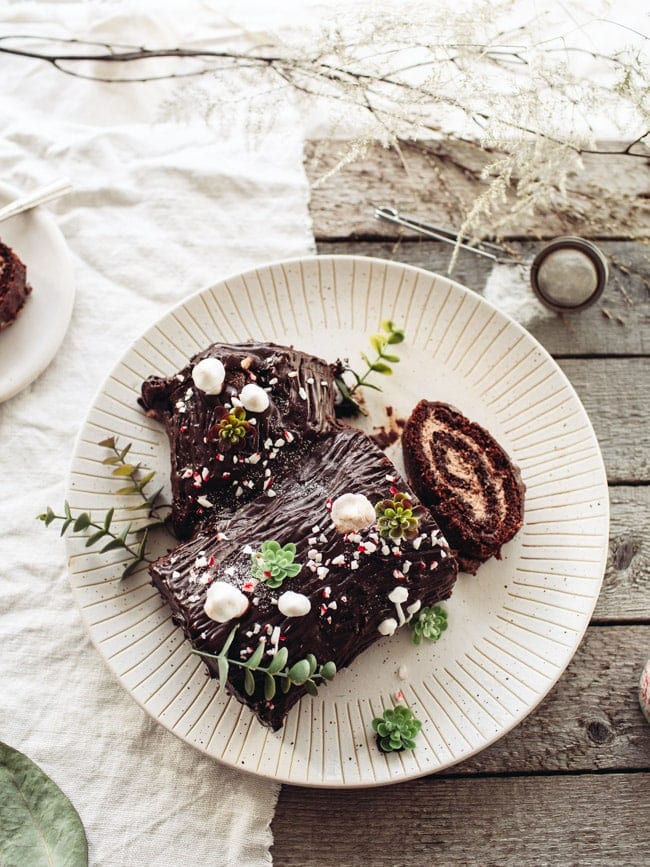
pixel 14 288
pixel 346 577
pixel 466 479
pixel 301 390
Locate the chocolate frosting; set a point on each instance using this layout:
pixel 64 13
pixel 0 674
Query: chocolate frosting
pixel 14 288
pixel 301 390
pixel 347 578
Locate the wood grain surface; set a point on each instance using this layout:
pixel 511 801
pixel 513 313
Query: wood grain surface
pixel 515 820
pixel 571 784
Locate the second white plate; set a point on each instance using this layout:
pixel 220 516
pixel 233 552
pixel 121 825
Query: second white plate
pixel 30 344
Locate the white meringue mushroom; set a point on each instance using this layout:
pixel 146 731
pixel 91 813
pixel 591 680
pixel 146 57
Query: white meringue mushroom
pixel 352 512
pixel 224 602
pixel 253 398
pixel 209 375
pixel 387 626
pixel 293 604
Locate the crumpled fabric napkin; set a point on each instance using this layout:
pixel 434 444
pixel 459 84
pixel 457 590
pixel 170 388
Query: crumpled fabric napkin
pixel 160 209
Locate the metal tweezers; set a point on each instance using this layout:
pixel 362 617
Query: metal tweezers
pixel 393 216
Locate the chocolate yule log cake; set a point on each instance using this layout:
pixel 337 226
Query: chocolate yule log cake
pixel 287 589
pixel 14 288
pixel 466 479
pixel 235 416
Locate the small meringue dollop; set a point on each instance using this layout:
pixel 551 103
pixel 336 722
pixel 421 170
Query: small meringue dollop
pixel 253 398
pixel 224 602
pixel 209 375
pixel 387 626
pixel 352 512
pixel 293 604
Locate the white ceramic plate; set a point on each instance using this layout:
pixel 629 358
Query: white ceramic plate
pixel 30 344
pixel 513 628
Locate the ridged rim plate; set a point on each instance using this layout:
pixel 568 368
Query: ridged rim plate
pixel 513 628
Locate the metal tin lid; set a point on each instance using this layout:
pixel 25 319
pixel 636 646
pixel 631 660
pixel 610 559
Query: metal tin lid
pixel 569 274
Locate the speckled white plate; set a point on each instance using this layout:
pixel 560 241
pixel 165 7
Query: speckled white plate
pixel 513 628
pixel 30 344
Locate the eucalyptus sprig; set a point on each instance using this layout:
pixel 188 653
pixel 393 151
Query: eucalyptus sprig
pixel 305 672
pixel 102 529
pixel 389 335
pixel 138 475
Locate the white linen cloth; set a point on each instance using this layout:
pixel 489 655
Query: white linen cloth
pixel 160 210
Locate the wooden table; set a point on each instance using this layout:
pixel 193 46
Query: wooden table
pixel 571 784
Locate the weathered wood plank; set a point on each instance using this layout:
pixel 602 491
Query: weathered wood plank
pixel 626 589
pixel 590 720
pixel 608 199
pixel 619 324
pixel 585 820
pixel 616 394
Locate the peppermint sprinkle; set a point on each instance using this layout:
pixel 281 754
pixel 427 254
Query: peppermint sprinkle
pixel 302 393
pixel 322 572
pixel 203 501
pixel 292 374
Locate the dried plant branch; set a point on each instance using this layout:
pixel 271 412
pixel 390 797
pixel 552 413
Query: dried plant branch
pixel 401 80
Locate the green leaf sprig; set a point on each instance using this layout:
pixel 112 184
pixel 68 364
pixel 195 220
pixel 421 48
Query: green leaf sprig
pixel 102 529
pixel 397 729
pixel 274 562
pixel 389 335
pixel 428 623
pixel 305 672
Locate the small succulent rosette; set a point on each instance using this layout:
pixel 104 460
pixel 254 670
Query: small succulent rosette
pixel 397 729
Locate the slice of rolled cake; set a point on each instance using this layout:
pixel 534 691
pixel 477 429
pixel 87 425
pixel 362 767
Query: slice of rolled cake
pixel 465 478
pixel 14 288
pixel 234 416
pixel 341 556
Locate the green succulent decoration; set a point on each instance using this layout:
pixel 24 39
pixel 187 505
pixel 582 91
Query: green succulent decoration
pixel 429 623
pixel 397 729
pixel 233 427
pixel 398 518
pixel 274 562
pixel 305 672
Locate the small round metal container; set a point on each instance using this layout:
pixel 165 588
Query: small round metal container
pixel 569 274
